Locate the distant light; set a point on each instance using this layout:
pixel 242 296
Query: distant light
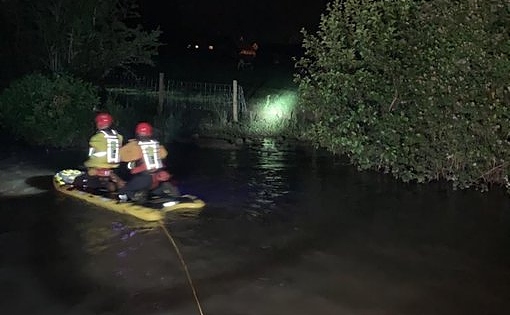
pixel 211 47
pixel 196 47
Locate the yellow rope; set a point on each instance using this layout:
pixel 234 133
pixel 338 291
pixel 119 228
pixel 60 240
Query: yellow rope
pixel 184 266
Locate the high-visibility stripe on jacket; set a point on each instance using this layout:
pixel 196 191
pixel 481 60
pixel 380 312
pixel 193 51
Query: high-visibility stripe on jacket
pixel 104 149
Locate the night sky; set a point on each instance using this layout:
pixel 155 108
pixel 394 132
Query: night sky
pixel 265 21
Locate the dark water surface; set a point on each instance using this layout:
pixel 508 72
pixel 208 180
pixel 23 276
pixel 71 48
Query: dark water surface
pixel 287 230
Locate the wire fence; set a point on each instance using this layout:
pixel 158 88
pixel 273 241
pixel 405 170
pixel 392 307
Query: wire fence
pixel 214 98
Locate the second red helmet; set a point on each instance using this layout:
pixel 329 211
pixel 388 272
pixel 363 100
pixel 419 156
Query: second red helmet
pixel 143 129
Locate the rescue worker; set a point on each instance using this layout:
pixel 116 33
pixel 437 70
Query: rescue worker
pixel 103 157
pixel 144 156
pixel 247 56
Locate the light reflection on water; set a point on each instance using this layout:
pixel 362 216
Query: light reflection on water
pixel 268 183
pixel 249 181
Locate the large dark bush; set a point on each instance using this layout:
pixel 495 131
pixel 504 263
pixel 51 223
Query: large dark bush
pixel 54 111
pixel 415 88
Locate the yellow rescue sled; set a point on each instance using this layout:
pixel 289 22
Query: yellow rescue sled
pixel 151 210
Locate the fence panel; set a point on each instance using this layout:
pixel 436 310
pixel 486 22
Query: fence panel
pixel 215 98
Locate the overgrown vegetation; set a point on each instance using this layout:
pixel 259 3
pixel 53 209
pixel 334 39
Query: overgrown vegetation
pixel 55 111
pixel 418 89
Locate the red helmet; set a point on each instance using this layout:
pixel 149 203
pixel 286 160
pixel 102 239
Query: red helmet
pixel 103 120
pixel 143 129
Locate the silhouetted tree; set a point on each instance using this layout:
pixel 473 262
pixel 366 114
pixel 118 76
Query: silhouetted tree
pixel 88 38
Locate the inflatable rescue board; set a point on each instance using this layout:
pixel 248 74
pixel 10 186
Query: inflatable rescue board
pixel 153 209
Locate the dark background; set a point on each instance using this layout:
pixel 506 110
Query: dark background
pixel 276 22
pixel 274 25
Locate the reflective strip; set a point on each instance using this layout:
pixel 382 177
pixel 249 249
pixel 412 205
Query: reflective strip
pixel 112 152
pixel 99 154
pixel 151 159
pixel 112 146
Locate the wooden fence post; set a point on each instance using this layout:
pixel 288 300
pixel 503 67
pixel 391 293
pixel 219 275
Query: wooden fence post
pixel 234 102
pixel 161 92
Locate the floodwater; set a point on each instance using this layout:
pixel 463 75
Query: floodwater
pixel 287 230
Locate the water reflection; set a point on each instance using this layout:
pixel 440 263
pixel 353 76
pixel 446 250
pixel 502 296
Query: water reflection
pixel 282 223
pixel 266 181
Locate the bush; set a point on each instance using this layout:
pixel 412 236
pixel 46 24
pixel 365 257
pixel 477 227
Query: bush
pixel 415 88
pixel 55 111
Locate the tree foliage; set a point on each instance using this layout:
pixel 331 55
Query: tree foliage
pixel 87 38
pixel 416 88
pixel 53 111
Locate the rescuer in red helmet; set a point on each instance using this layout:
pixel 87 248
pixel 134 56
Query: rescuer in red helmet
pixel 144 156
pixel 103 156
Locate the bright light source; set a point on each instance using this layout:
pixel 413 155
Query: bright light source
pixel 169 203
pixel 278 107
pixel 276 110
pixel 211 47
pixel 196 47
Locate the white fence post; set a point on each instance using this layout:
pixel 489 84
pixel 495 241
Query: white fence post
pixel 234 102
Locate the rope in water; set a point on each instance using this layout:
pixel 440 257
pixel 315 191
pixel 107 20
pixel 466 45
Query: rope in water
pixel 171 239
